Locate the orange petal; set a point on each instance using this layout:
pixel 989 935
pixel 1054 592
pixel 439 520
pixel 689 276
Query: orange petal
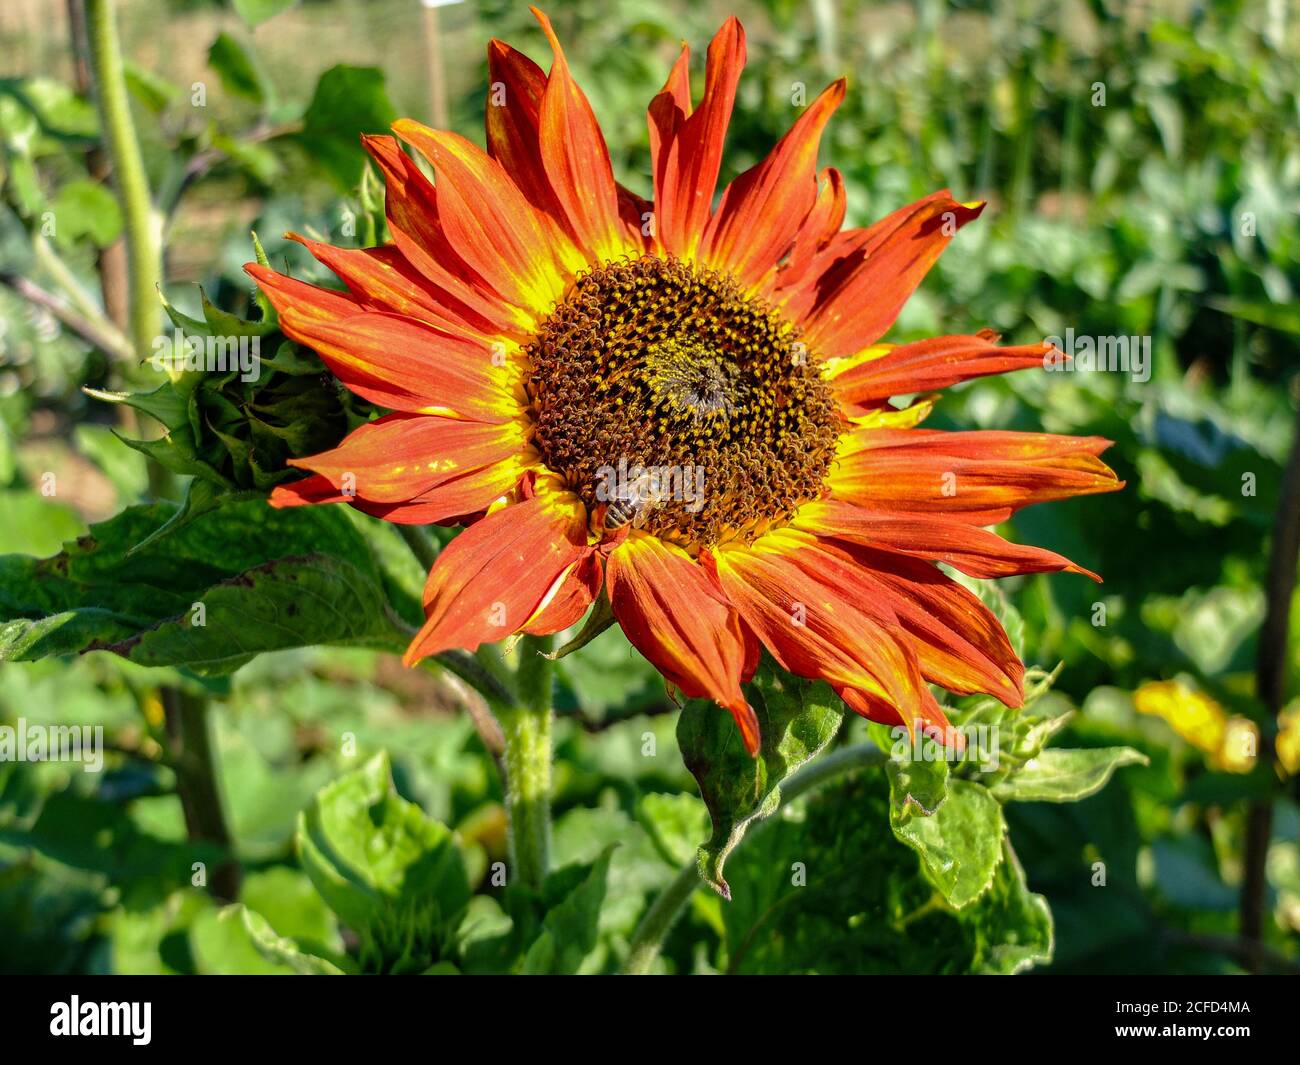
pixel 860 295
pixel 384 279
pixel 666 113
pixel 927 714
pixel 637 218
pixel 454 502
pixel 516 88
pixel 674 614
pixel 576 158
pixel 306 492
pixel 929 365
pixel 957 641
pixel 300 303
pixel 812 626
pixel 822 223
pixel 976 477
pixel 968 548
pixel 411 205
pixel 491 579
pixel 396 362
pixel 514 139
pixel 761 211
pixel 838 258
pixel 686 166
pixel 488 220
pixel 399 457
pixel 569 597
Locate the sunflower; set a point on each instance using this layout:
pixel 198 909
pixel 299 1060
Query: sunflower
pixel 543 336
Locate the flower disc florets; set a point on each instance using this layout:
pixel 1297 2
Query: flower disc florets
pixel 655 363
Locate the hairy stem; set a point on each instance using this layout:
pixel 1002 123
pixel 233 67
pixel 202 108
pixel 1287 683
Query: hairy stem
pixel 139 225
pixel 526 726
pixel 648 939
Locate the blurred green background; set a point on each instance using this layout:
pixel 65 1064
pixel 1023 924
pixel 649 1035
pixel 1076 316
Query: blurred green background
pixel 1142 165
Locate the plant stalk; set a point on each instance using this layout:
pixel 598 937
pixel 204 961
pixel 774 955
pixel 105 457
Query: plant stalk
pixel 194 762
pixel 422 545
pixel 526 725
pixel 1270 687
pixel 139 224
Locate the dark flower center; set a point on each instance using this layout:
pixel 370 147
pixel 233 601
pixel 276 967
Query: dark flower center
pixel 658 366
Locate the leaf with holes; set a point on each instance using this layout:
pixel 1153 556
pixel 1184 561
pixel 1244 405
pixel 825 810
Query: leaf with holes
pixel 239 580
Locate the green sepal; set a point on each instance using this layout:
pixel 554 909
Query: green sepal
pixel 797 719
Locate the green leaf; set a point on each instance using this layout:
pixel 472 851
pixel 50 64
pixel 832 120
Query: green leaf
pixel 255 12
pixel 676 823
pixel 1284 317
pixel 243 939
pixel 797 718
pixel 390 873
pixel 84 208
pixel 1012 926
pixel 917 786
pixel 293 907
pixel 266 579
pixel 831 893
pixel 224 324
pixel 1060 775
pixel 182 321
pixel 152 90
pixel 34 522
pixel 569 930
pixel 348 101
pixel 960 845
pixel 57 107
pixel 258 160
pixel 277 948
pixel 237 70
pixel 607 679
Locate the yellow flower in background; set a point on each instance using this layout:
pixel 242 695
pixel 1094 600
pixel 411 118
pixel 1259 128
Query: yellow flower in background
pixel 1230 742
pixel 1288 739
pixel 1196 717
pixel 1239 748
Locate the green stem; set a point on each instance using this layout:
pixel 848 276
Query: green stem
pixel 194 762
pixel 650 934
pixel 526 725
pixel 420 543
pixel 473 672
pixel 80 299
pixel 141 231
pixel 659 920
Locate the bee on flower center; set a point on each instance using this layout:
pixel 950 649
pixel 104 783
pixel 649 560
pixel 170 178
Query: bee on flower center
pixel 632 503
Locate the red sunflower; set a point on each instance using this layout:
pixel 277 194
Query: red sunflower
pixel 682 405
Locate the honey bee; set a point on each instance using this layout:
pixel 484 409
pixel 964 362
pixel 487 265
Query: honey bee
pixel 632 504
